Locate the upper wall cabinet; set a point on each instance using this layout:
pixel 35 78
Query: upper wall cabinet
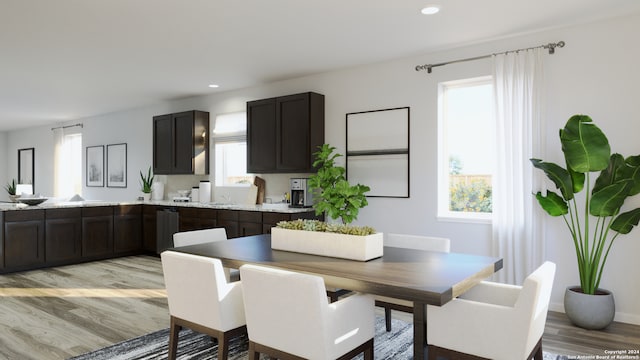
pixel 181 143
pixel 284 132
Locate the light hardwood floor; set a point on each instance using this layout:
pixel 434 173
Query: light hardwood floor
pixel 66 311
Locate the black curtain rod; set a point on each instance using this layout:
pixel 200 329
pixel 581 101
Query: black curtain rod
pixel 67 126
pixel 550 46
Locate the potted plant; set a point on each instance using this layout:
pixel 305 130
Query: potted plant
pixel 594 218
pixel 338 199
pixel 334 196
pixel 147 182
pixel 11 190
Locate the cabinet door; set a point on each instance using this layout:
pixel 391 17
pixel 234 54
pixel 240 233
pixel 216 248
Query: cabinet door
pixel 188 219
pixel 292 114
pixel 149 228
pixel 97 231
pixel 261 136
pixel 24 243
pixel 127 229
pixel 162 144
pixel 183 136
pixel 63 240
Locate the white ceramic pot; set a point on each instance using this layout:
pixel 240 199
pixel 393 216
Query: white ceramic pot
pixel 146 196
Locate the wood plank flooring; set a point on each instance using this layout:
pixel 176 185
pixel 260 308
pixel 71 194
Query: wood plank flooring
pixel 66 311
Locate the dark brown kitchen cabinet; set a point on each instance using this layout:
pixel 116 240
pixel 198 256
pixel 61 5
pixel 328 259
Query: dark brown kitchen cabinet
pixel 97 231
pixel 181 143
pixel 284 132
pixel 249 223
pixel 228 219
pixel 197 218
pixel 149 229
pixel 23 237
pixel 127 228
pixel 63 237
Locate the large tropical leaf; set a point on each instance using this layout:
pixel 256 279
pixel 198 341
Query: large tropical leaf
pixel 609 200
pixel 625 222
pixel 611 174
pixel 577 179
pixel 553 203
pixel 585 146
pixel 558 175
pixel 631 171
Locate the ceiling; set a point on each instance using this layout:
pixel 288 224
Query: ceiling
pixel 68 59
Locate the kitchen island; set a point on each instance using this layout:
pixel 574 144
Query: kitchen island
pixel 62 233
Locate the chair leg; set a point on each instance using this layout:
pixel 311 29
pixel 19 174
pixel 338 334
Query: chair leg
pixel 387 317
pixel 173 340
pixel 253 354
pixel 223 347
pixel 368 351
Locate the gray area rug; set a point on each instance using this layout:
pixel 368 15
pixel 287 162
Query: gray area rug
pixel 397 344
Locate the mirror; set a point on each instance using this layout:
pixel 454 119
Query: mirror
pixel 26 166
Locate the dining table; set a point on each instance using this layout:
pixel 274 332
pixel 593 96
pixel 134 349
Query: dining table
pixel 423 277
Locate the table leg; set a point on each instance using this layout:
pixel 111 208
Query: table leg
pixel 419 331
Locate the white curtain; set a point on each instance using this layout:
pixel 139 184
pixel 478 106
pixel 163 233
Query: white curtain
pixel 58 163
pixel 517 230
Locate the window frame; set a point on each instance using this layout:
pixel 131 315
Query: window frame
pixel 237 137
pixel 443 198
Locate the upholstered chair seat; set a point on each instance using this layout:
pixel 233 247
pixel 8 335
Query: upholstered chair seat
pixel 196 237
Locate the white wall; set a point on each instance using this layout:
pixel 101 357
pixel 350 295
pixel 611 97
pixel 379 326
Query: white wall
pixel 595 74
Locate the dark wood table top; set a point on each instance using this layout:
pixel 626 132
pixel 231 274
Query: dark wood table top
pixel 421 276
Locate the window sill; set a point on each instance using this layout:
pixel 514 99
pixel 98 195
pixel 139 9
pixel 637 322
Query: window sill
pixel 464 219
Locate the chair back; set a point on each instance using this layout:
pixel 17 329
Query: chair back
pixel 197 291
pixel 533 302
pixel 418 242
pixel 196 237
pixel 286 310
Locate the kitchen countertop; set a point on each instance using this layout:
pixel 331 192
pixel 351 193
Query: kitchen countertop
pixel 278 207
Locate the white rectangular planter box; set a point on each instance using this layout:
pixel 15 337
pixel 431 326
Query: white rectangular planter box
pixel 351 247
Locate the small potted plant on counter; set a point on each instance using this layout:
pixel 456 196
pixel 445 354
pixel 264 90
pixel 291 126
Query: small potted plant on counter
pixel 11 190
pixel 147 182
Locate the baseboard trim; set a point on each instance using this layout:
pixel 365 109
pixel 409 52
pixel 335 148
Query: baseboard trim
pixel 619 316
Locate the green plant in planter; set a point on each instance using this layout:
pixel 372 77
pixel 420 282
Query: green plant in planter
pixel 11 187
pixel 594 221
pixel 334 196
pixel 147 181
pixel 317 225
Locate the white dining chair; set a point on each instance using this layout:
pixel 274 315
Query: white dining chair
pixel 200 298
pixel 196 237
pixel 417 242
pixel 303 324
pixel 493 321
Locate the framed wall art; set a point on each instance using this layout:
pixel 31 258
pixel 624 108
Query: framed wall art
pixel 95 166
pixel 117 165
pixel 378 151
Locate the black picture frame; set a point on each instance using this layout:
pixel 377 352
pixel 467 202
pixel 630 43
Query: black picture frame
pixel 26 166
pixel 94 163
pixel 117 165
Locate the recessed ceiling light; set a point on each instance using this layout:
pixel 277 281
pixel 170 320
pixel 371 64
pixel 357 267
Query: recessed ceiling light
pixel 430 10
pixel 213 86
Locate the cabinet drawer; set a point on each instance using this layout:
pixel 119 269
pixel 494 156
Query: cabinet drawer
pixel 272 218
pixel 231 215
pixel 97 211
pixel 128 210
pixel 23 215
pixel 63 213
pixel 250 216
pixel 188 212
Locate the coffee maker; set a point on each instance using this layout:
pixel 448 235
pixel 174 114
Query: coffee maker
pixel 300 193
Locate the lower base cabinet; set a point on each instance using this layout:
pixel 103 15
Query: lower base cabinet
pixel 97 231
pixel 24 239
pixel 63 239
pixel 34 238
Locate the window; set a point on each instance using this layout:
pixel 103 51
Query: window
pixel 69 165
pixel 466 149
pixel 230 149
